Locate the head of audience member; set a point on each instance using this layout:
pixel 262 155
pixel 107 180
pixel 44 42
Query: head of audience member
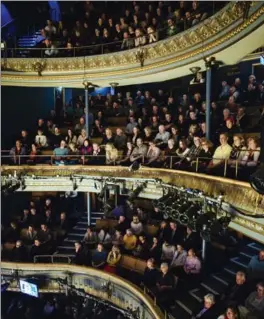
pixel 139 142
pixel 197 141
pixel 96 147
pixel 56 130
pixel 252 143
pixel 191 253
pixel 129 232
pixel 155 241
pixel 232 312
pixel 226 114
pixel 240 278
pixel 223 139
pixel 44 227
pixel 171 143
pixel 77 246
pixel 161 129
pixel 135 219
pixel 183 144
pixel 209 301
pixel 261 255
pixel 63 216
pixel 147 131
pixel 62 144
pixel 33 211
pixel 238 140
pixel 164 268
pixel 36 243
pixel 179 248
pixel 260 290
pixel 206 144
pixel 129 145
pixel 173 226
pixel 100 248
pixel 150 263
pixel 19 243
pixel 193 116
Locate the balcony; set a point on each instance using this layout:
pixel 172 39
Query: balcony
pixel 226 34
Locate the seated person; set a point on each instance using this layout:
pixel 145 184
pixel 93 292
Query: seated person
pixel 79 258
pixel 231 312
pixel 142 250
pixel 63 223
pixel 221 154
pixel 33 157
pixel 41 140
pixel 56 138
pixel 36 249
pixel 130 241
pixel 142 216
pixel 98 156
pixel 18 153
pixel 85 151
pixel 12 233
pixel 192 264
pixel 237 293
pixel 111 154
pixel 251 157
pixel 167 252
pixel 30 236
pixel 191 239
pixel 120 140
pixel 178 259
pixel 181 153
pixel 254 304
pixel 108 137
pixel 97 129
pixel 169 152
pixel 113 259
pixel 194 152
pixel 208 308
pixel 165 284
pixel 256 266
pixel 80 126
pixel 117 239
pixel 152 156
pixel 123 224
pixel 61 153
pixel 126 159
pixel 99 257
pixel 136 226
pixel 139 152
pixel 205 155
pixel 90 237
pixel 44 235
pixel 81 138
pixel 104 237
pixel 162 138
pixel 150 274
pixel 19 252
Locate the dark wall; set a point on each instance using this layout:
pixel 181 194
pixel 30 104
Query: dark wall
pixel 21 107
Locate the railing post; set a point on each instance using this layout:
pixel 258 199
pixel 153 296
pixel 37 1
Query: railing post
pixel 171 162
pixel 197 164
pixel 236 167
pixel 19 160
pixel 225 168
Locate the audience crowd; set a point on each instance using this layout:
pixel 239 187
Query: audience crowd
pixel 123 26
pixel 158 130
pixel 172 255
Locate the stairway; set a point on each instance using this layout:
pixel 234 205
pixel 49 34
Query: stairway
pixel 77 233
pixel 190 302
pixel 28 41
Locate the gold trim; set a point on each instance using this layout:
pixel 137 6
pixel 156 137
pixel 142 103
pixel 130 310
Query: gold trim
pixel 80 270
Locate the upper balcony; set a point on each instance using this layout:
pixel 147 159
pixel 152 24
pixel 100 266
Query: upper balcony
pixel 229 34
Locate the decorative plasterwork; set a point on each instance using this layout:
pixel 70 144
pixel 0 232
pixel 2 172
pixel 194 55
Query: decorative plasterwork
pixel 212 35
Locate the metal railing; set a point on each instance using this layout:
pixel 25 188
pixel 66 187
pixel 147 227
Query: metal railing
pixel 51 258
pixel 225 167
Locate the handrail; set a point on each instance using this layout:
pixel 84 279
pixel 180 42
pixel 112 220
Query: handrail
pixel 68 257
pixel 173 162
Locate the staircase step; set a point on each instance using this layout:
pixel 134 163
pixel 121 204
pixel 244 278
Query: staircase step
pixel 80 228
pixel 213 285
pixel 198 293
pixel 219 278
pixel 239 262
pixel 78 236
pixel 179 313
pixel 188 303
pixel 256 246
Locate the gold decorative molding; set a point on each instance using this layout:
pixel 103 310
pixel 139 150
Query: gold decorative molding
pixel 238 194
pixel 190 44
pixel 78 275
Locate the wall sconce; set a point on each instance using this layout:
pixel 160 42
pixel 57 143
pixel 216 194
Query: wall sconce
pixel 88 85
pixel 141 55
pixel 39 67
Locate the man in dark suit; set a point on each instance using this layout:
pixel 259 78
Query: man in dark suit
pixel 19 252
pixel 174 234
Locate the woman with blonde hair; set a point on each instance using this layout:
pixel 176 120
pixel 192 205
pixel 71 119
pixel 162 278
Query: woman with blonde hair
pixel 111 154
pixel 251 157
pixel 205 155
pixel 113 259
pixel 148 137
pixel 193 129
pixel 108 137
